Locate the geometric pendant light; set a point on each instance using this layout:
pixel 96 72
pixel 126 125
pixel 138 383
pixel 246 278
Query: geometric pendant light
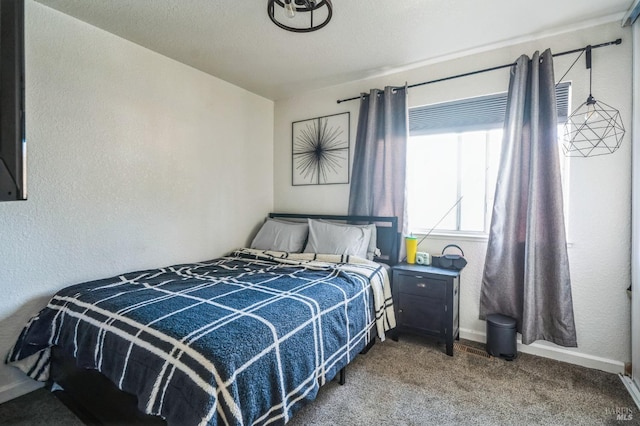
pixel 594 128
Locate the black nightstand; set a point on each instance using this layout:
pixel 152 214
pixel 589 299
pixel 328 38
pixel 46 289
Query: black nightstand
pixel 426 301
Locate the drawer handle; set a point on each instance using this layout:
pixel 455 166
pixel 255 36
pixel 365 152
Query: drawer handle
pixel 422 285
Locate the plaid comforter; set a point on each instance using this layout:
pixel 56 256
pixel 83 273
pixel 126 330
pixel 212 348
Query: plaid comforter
pixel 244 339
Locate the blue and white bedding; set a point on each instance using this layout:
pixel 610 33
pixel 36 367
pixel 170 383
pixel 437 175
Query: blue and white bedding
pixel 243 339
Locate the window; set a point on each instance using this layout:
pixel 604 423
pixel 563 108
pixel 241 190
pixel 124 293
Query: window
pixel 445 168
pixel 453 156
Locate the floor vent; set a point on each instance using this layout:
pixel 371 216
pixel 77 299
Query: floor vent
pixel 470 350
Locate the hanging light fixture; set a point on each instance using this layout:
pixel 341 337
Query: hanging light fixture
pixel 594 128
pixel 299 14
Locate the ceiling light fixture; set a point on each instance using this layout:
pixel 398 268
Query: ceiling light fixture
pixel 594 128
pixel 300 14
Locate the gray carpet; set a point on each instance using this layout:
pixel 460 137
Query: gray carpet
pixel 413 382
pixel 37 408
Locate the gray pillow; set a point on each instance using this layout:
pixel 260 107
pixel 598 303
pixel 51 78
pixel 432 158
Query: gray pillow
pixel 371 249
pixel 280 235
pixel 332 238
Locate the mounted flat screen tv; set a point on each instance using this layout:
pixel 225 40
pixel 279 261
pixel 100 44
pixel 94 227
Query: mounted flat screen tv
pixel 13 147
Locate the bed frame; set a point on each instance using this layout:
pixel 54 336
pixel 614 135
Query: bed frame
pixel 97 401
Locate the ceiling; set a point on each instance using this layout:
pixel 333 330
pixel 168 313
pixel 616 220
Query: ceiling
pixel 235 40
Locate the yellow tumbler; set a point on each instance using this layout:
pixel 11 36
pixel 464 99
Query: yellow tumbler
pixel 412 247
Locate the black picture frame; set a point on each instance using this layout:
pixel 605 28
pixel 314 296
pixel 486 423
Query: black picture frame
pixel 320 149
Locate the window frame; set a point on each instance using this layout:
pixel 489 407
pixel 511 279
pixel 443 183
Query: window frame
pixel 456 209
pixel 420 125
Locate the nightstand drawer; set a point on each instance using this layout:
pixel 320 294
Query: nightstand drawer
pixel 421 285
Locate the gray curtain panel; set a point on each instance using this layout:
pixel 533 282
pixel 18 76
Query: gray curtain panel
pixel 526 271
pixel 380 159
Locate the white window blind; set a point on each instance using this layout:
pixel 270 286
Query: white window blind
pixel 480 113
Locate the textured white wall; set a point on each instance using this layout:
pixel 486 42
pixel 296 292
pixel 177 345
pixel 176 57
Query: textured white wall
pixel 599 196
pixel 635 262
pixel 134 161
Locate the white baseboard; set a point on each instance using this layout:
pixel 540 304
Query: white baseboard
pixel 555 352
pixel 16 389
pixel 632 387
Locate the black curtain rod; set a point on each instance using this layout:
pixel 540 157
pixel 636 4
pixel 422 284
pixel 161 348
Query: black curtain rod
pixel 568 52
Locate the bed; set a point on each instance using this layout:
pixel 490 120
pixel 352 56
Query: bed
pixel 247 338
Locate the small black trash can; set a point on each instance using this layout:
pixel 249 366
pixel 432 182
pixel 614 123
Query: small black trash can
pixel 501 336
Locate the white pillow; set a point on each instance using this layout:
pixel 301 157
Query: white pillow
pixel 331 238
pixel 279 235
pixel 371 249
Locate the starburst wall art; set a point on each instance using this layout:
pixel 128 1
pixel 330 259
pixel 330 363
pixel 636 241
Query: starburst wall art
pixel 321 150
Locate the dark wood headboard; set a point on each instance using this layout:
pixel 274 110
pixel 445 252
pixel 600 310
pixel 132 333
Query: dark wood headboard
pixel 388 238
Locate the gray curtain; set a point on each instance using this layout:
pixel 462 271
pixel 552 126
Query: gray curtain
pixel 526 271
pixel 380 158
